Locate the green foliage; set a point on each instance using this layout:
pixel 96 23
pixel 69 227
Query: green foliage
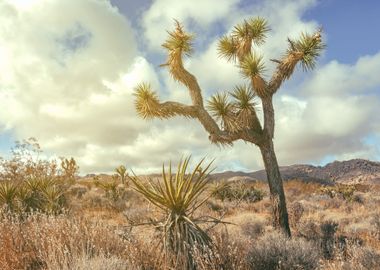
pixel 311 47
pixel 111 188
pixel 238 44
pixel 245 98
pixel 8 195
pixel 227 48
pixel 147 102
pixel 254 29
pixel 222 110
pixel 237 114
pixel 252 65
pixel 179 40
pixel 40 194
pixel 178 197
pixel 237 192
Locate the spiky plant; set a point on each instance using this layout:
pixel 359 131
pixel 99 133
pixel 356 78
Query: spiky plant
pixel 27 199
pixel 178 196
pixel 8 195
pixel 122 173
pixel 111 188
pixel 54 199
pixel 69 169
pixel 43 194
pixel 227 121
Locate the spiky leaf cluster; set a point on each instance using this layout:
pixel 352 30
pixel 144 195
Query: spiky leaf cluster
pixel 310 46
pixel 37 194
pixel 238 114
pixel 223 111
pixel 177 193
pixel 227 48
pixel 147 103
pixel 179 40
pixel 239 43
pixel 245 106
pixel 254 29
pixel 252 65
pixel 178 197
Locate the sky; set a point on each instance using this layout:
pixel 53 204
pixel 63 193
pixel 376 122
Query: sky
pixel 68 71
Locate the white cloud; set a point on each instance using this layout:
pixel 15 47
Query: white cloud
pixel 337 112
pixel 161 14
pixel 68 80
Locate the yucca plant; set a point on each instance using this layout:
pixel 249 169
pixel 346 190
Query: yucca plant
pixel 54 199
pixel 27 199
pixel 178 196
pixel 43 194
pixel 8 195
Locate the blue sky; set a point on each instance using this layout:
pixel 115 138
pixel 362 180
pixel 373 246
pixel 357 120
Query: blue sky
pixel 68 80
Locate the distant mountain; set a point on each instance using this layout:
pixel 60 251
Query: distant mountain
pixel 349 172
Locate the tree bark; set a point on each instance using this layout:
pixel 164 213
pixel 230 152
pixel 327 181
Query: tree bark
pixel 277 194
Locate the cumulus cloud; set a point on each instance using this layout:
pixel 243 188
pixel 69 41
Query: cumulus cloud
pixel 333 115
pixel 161 15
pixel 67 80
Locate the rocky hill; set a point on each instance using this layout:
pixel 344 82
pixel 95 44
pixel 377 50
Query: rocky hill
pixel 349 172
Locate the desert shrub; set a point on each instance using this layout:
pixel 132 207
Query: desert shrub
pixel 323 235
pixel 237 191
pixel 115 193
pixel 328 230
pixel 365 257
pixel 78 190
pixel 111 189
pixel 41 241
pixel 355 258
pixel 376 223
pixel 214 205
pixel 25 163
pixel 309 230
pixel 227 253
pixel 277 252
pixel 254 228
pixel 345 191
pixel 296 211
pixel 178 198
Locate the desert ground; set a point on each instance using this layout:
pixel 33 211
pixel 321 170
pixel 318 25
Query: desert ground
pixel 61 221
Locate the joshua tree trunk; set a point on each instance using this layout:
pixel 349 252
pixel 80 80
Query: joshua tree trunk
pixel 277 195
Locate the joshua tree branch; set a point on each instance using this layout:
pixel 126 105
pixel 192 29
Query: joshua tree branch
pixel 216 135
pixel 284 70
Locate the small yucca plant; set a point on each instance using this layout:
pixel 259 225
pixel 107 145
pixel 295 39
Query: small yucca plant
pixel 178 196
pixel 8 195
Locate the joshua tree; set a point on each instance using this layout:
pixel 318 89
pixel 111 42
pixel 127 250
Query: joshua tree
pixel 122 173
pixel 237 118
